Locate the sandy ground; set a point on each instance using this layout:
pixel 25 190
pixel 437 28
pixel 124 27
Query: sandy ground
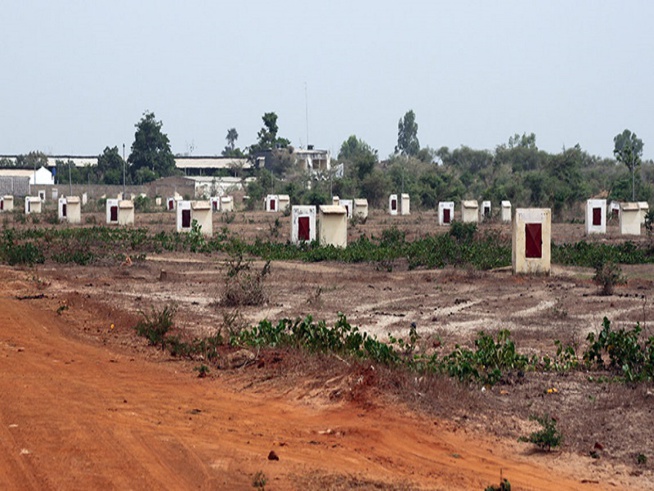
pixel 79 415
pixel 88 406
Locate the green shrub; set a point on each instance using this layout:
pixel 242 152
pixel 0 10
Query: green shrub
pixel 548 436
pixel 155 325
pixel 607 275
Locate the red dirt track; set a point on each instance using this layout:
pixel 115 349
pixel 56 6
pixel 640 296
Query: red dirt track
pixel 78 415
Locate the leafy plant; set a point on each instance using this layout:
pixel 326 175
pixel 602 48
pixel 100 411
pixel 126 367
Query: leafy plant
pixel 155 325
pixel 548 436
pixel 202 370
pixel 259 481
pixel 242 285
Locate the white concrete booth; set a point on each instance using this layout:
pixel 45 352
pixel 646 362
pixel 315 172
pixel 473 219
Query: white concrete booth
pixel 629 219
pixel 184 220
pixel 445 212
pixel 215 203
pixel 226 204
pixel 284 202
pixel 125 212
pixel 272 203
pixel 361 208
pixel 6 203
pixel 171 204
pixel 348 204
pixel 405 204
pixel 32 204
pixel 644 209
pixel 303 224
pixel 469 211
pixel 506 211
pixel 596 216
pixel 532 240
pixel 333 226
pixel 201 212
pixel 393 205
pixel 112 211
pixel 70 209
pixel 486 212
pixel 336 201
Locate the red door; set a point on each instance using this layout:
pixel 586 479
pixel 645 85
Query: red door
pixel 113 214
pixel 393 204
pixel 446 215
pixel 186 218
pixel 171 204
pixel 597 217
pixel 2 204
pixel 63 210
pixel 534 240
pixel 304 228
pixel 272 205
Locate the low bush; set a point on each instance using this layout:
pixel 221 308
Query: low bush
pixel 548 436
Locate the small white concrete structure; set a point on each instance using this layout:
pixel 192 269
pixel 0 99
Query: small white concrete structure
pixel 70 209
pixel 596 216
pixel 629 219
pixel 6 203
pixel 361 208
pixel 532 241
pixel 171 204
pixel 272 203
pixel 157 201
pixel 112 211
pixel 85 199
pixel 32 204
pixel 486 212
pixel 393 204
pixel 303 224
pixel 125 212
pixel 284 202
pixel 201 213
pixel 405 204
pixel 506 211
pixel 226 204
pixel 469 211
pixel 644 209
pixel 215 203
pixel 348 204
pixel 445 212
pixel 184 216
pixel 55 194
pixel 336 201
pixel 333 226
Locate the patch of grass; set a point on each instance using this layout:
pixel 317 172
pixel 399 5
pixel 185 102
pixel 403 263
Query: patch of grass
pixel 155 325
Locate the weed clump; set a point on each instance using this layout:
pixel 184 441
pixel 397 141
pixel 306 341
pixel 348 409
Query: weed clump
pixel 155 325
pixel 243 286
pixel 607 275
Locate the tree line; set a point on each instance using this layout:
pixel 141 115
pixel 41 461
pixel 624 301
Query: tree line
pixel 517 170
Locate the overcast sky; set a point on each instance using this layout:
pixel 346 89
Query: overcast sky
pixel 78 75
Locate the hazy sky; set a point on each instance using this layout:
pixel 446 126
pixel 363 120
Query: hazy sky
pixel 78 75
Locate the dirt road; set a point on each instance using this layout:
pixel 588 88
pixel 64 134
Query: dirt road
pixel 78 415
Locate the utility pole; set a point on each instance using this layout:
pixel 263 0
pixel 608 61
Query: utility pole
pixel 123 171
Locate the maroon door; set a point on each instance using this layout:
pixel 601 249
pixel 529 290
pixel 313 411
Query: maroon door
pixel 446 215
pixel 597 217
pixel 534 240
pixel 2 204
pixel 304 228
pixel 186 218
pixel 393 204
pixel 487 212
pixel 113 214
pixel 347 210
pixel 272 205
pixel 63 210
pixel 215 205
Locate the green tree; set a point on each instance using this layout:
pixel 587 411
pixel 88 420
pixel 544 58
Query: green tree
pixel 110 166
pixel 267 136
pixel 407 135
pixel 151 156
pixel 628 149
pixel 359 155
pixel 231 150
